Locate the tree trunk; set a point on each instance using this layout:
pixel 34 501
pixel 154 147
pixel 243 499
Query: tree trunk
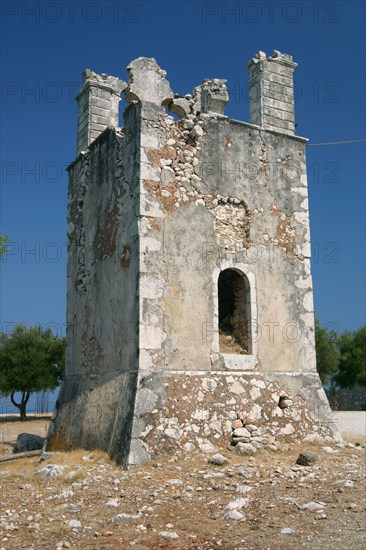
pixel 22 406
pixel 23 412
pixel 5 458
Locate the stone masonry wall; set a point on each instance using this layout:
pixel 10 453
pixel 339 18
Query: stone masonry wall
pixel 223 194
pixel 208 411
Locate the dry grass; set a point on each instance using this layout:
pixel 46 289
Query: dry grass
pixel 5 449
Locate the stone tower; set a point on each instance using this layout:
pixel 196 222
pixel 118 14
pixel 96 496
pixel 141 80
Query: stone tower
pixel 190 302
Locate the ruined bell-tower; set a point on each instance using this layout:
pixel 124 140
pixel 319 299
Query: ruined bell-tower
pixel 190 304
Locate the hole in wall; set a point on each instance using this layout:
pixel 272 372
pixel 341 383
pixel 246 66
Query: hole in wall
pixel 284 402
pixel 234 313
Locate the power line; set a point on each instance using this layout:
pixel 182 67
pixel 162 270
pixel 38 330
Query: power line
pixel 336 142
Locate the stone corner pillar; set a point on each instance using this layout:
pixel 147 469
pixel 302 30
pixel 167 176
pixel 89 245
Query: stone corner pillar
pixel 271 92
pixel 98 102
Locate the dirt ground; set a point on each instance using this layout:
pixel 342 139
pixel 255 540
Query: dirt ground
pixel 180 502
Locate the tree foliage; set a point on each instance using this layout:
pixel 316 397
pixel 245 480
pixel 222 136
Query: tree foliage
pixel 3 242
pixel 327 353
pixel 31 360
pixel 352 360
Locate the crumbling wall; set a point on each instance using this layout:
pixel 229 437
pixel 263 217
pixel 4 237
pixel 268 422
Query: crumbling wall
pixel 156 212
pixel 227 194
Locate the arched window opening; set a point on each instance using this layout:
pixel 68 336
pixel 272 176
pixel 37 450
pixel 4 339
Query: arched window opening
pixel 234 313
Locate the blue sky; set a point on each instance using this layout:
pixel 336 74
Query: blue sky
pixel 46 46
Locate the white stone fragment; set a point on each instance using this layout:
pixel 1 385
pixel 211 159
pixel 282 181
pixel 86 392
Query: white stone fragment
pixel 255 412
pixel 345 482
pixel 112 502
pixel 241 432
pixel 245 449
pixel 237 388
pixel 196 132
pixel 287 430
pixel 234 515
pixel 258 383
pixel 50 471
pixel 74 524
pixel 205 445
pixel 169 534
pixel 312 506
pixel 237 504
pixel 255 393
pixel 124 518
pixel 329 450
pixel 175 481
